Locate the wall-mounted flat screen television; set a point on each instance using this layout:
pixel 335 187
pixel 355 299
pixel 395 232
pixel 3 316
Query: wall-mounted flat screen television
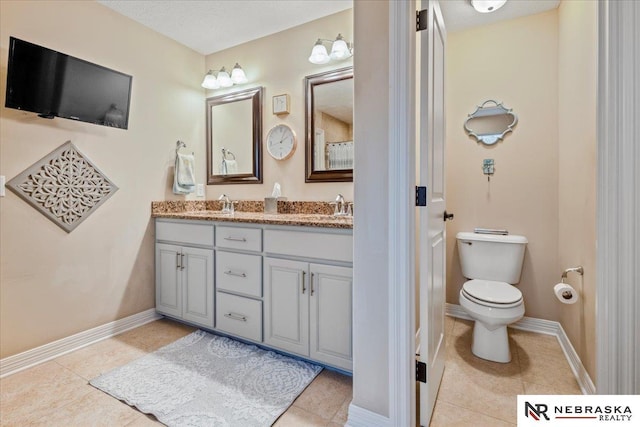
pixel 53 84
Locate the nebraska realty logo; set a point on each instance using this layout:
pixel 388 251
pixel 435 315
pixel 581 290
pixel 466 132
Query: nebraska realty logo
pixel 578 410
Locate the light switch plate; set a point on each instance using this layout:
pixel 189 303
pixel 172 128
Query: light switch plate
pixel 2 182
pixel 200 190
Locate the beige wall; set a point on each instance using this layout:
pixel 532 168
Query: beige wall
pixel 577 165
pixel 55 284
pixel 515 62
pixel 279 63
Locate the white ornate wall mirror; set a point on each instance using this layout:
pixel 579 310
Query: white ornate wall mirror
pixel 490 122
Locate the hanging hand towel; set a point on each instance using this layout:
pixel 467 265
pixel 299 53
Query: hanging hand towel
pixel 184 181
pixel 229 167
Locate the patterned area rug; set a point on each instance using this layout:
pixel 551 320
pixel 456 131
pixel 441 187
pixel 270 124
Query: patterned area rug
pixel 208 380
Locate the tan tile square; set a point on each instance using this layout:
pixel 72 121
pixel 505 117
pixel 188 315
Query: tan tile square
pixel 563 388
pixel 145 421
pixel 546 368
pixel 343 413
pixel 479 391
pixel 448 415
pixel 297 417
pixel 96 359
pixel 449 322
pixel 154 335
pixel 93 409
pixel 29 395
pixel 535 342
pixel 326 394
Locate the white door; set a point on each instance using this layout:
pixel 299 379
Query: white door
pixel 286 305
pixel 330 300
pixel 432 237
pixel 197 285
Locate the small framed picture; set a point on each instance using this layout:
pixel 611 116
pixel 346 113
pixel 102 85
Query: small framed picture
pixel 281 104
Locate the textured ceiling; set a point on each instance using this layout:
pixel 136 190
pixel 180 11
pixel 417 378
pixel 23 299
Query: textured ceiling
pixel 214 25
pixel 460 15
pixel 208 26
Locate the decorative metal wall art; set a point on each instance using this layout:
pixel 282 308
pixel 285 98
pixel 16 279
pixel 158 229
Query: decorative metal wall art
pixel 64 186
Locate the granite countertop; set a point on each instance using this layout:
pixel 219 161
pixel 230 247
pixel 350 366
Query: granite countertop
pixel 307 214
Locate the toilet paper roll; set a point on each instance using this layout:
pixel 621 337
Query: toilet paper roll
pixel 565 293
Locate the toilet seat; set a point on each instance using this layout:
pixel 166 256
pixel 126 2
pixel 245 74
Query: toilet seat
pixel 492 294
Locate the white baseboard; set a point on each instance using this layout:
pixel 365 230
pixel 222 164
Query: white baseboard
pixel 12 364
pixel 360 417
pixel 547 327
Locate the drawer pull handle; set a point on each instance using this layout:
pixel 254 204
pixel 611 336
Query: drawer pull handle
pixel 177 260
pixel 235 239
pixel 233 273
pixel 181 261
pixel 235 316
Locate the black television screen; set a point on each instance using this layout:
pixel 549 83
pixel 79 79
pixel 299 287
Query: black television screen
pixel 53 84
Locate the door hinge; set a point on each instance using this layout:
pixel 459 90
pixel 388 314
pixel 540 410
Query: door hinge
pixel 421 371
pixel 421 20
pixel 421 196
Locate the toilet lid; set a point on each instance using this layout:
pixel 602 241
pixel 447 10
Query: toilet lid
pixel 493 292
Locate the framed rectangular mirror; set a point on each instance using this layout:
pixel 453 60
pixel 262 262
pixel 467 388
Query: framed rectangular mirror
pixel 234 136
pixel 329 126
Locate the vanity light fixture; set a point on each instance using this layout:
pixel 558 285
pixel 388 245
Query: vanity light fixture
pixel 340 49
pixel 218 79
pixel 487 6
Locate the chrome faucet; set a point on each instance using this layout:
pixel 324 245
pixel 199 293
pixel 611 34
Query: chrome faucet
pixel 227 205
pixel 340 206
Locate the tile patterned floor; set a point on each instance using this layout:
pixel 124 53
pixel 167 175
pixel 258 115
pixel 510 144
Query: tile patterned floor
pixel 473 392
pixel 476 392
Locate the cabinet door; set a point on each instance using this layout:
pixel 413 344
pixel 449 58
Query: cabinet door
pixel 168 294
pixel 330 321
pixel 197 286
pixel 286 305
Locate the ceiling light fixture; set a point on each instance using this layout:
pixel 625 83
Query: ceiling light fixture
pixel 340 49
pixel 218 79
pixel 487 6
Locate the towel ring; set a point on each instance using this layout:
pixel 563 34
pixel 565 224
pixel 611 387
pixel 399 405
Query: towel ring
pixel 179 145
pixel 226 153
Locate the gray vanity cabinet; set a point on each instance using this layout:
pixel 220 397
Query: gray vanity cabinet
pixel 308 310
pixel 184 274
pixel 308 305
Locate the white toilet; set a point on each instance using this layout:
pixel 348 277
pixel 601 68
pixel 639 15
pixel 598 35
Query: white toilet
pixel 493 263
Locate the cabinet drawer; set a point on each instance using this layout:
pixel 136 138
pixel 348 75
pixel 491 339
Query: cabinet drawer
pixel 196 234
pixel 248 239
pixel 240 273
pixel 239 316
pixel 329 246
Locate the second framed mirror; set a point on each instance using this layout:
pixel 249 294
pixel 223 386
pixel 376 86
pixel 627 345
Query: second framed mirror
pixel 329 126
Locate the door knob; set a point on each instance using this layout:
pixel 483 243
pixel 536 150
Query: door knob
pixel 447 216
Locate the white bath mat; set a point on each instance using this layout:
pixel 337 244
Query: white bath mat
pixel 208 380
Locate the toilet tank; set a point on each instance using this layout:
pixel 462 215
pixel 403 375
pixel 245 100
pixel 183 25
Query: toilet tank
pixel 491 257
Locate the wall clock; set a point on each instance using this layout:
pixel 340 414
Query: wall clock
pixel 281 104
pixel 281 142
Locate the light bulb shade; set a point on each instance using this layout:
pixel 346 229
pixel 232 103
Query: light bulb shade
pixel 237 75
pixel 224 79
pixel 210 81
pixel 487 6
pixel 319 54
pixel 340 49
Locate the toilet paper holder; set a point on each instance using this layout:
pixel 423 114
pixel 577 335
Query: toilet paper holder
pixel 577 269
